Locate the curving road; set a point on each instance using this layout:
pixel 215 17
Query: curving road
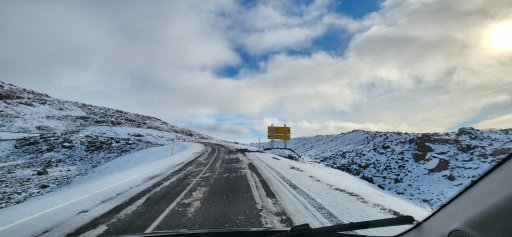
pixel 218 189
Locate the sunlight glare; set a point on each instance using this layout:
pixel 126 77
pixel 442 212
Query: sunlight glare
pixel 501 36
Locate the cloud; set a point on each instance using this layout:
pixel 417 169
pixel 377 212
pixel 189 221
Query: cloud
pixel 223 130
pixel 272 26
pixel 504 121
pixel 125 56
pixel 410 66
pixel 414 65
pixel 310 128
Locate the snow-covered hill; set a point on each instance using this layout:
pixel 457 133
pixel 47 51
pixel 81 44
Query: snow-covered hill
pixel 45 142
pixel 286 153
pixel 426 168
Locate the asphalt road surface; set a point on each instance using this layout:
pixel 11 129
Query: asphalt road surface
pixel 218 189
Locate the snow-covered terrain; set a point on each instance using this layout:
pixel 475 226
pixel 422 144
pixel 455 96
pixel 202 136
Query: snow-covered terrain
pixel 426 168
pixel 46 143
pixel 62 211
pixel 88 159
pixel 320 195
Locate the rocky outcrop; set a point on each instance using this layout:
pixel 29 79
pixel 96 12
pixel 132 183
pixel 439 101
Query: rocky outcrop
pixel 501 151
pixel 442 165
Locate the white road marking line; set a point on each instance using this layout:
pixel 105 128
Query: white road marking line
pixel 173 204
pixel 75 200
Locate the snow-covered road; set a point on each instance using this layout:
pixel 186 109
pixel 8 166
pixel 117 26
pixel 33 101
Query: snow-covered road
pixel 203 186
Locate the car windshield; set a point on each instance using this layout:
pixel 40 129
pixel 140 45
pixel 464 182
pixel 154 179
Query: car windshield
pixel 130 117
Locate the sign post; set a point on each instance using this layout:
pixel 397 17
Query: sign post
pixel 172 152
pixel 285 141
pixel 281 133
pixel 272 136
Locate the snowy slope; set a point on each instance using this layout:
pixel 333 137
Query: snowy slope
pixel 426 168
pixel 28 111
pixel 286 153
pixel 320 195
pixel 60 212
pixel 46 143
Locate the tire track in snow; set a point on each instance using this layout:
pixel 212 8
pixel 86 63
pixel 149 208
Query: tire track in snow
pixel 361 199
pixel 323 211
pixel 272 213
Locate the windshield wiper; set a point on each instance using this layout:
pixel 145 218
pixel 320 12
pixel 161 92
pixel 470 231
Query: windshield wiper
pixel 306 230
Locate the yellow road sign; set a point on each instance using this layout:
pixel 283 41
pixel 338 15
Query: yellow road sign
pixel 282 133
pixel 279 130
pixel 280 136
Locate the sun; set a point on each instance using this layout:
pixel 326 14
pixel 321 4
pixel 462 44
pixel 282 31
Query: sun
pixel 500 36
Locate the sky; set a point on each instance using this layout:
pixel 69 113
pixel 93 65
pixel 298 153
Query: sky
pixel 231 68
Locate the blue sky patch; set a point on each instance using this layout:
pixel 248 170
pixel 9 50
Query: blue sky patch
pixel 248 62
pixel 357 9
pixel 333 41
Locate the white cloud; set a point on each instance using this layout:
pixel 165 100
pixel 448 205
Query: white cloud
pixel 411 66
pixel 224 131
pixel 276 39
pixel 271 26
pixel 504 121
pixel 310 128
pixel 419 66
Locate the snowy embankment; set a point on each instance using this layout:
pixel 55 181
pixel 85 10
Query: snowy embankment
pixel 425 168
pixel 319 195
pixel 47 143
pixel 62 211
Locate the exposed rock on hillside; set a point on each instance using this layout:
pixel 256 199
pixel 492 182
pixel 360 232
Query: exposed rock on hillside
pixel 427 168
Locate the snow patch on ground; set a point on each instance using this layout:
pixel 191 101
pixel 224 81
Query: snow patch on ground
pixel 90 196
pixel 15 135
pixel 329 196
pixel 431 164
pixel 149 135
